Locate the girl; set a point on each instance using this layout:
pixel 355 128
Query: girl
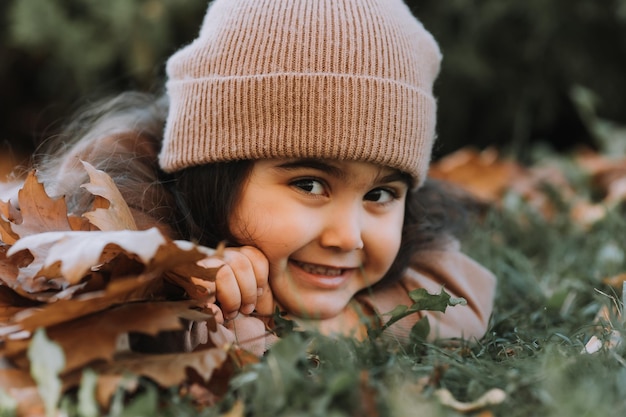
pixel 299 133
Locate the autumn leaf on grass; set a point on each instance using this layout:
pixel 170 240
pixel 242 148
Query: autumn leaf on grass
pixel 168 370
pixel 483 174
pixel 39 212
pixel 111 211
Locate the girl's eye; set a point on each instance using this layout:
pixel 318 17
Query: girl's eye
pixel 381 195
pixel 310 186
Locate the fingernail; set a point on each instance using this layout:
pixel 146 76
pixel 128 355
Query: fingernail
pixel 259 292
pixel 247 309
pixel 232 315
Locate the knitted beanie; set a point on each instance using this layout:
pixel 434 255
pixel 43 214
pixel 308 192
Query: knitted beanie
pixel 335 79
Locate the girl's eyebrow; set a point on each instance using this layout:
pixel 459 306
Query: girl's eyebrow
pixel 314 164
pixel 339 173
pixel 395 176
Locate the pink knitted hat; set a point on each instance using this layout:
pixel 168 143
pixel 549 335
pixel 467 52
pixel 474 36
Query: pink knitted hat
pixel 337 79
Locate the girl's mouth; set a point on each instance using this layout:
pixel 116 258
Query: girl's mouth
pixel 320 269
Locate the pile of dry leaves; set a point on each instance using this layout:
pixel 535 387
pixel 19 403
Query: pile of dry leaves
pixel 86 283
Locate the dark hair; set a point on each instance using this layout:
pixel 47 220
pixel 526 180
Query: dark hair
pixel 123 136
pixel 206 196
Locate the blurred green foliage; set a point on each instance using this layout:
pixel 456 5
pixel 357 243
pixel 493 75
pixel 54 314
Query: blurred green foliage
pixel 510 66
pixel 508 71
pixel 57 54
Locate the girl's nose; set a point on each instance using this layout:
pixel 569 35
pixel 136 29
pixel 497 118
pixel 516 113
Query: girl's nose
pixel 343 230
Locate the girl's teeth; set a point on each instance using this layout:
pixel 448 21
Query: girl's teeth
pixel 320 270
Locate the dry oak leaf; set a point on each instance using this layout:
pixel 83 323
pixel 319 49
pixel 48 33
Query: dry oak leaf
pixel 39 212
pixel 9 214
pixel 20 386
pixel 482 174
pixel 111 211
pixel 9 270
pixel 127 290
pixel 167 370
pixel 78 252
pixel 6 233
pixel 96 336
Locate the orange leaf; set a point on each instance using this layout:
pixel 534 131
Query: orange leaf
pixel 6 233
pixel 39 212
pixel 169 369
pixel 616 281
pixel 117 216
pixel 482 174
pixel 95 337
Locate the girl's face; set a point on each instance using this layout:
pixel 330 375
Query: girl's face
pixel 328 228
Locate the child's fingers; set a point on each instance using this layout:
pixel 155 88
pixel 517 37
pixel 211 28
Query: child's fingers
pixel 242 277
pixel 242 267
pixel 260 265
pixel 226 288
pixel 265 302
pixel 227 291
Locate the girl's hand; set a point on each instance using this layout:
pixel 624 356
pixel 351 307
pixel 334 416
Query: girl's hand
pixel 241 284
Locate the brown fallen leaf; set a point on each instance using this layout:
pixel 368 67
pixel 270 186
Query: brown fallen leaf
pixel 128 290
pixel 167 370
pixel 77 252
pixel 616 281
pixel 89 289
pixel 9 271
pixel 112 213
pixel 39 212
pixel 483 174
pixel 6 233
pixel 15 378
pixel 8 201
pixel 107 385
pixel 95 337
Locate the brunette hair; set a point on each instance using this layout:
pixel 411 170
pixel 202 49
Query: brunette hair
pixel 122 137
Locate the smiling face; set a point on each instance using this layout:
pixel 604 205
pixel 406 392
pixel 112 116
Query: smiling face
pixel 328 228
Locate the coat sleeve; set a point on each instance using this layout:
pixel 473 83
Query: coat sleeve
pixel 433 269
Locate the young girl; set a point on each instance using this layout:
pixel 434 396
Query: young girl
pixel 299 133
